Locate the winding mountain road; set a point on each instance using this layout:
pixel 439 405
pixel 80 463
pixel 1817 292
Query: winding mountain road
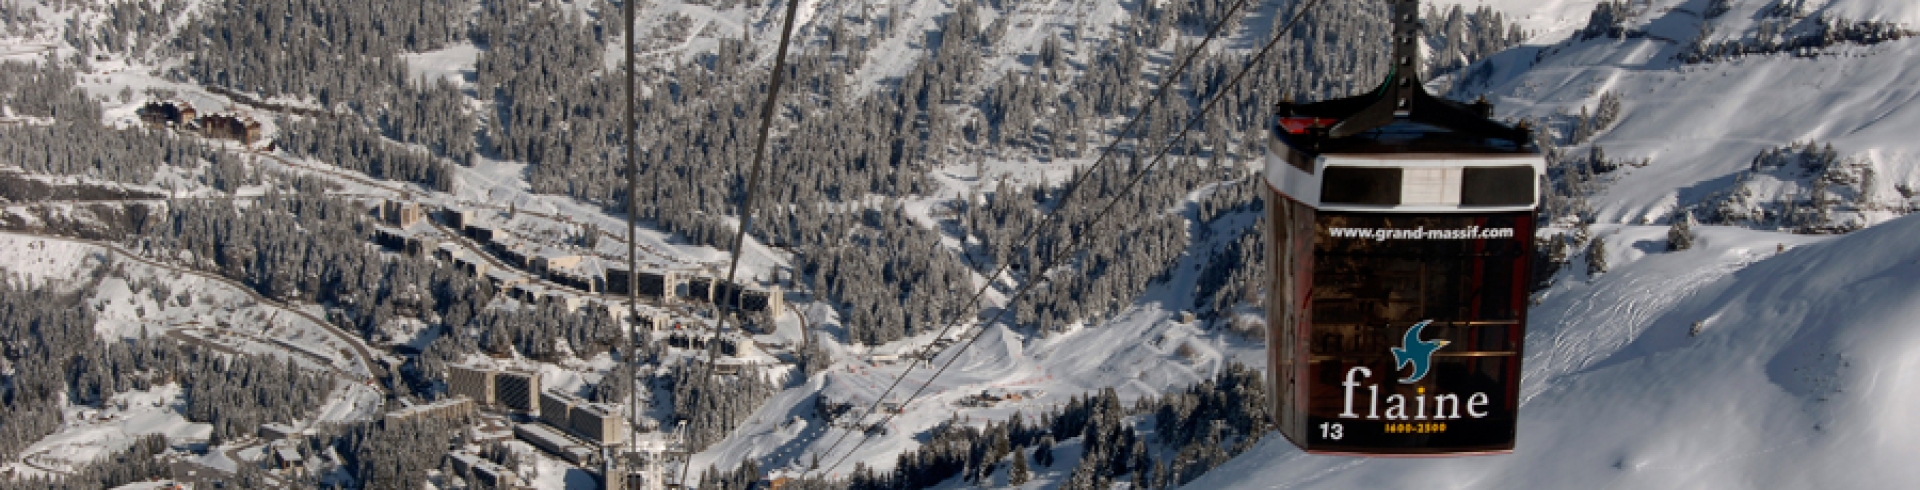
pixel 368 371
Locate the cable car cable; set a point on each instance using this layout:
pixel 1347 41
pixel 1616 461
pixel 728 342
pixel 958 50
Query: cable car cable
pixel 1106 153
pixel 1158 158
pixel 746 205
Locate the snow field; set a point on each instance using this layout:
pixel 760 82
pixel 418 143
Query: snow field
pixel 91 433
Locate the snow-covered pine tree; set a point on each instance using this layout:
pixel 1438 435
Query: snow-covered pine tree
pixel 1597 257
pixel 1020 473
pixel 1680 234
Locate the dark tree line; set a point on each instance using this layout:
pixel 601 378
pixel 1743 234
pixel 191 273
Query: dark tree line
pixel 1462 37
pixel 434 115
pixel 353 146
pixel 534 331
pixel 891 277
pixel 1822 186
pixel 250 390
pixel 396 454
pixel 140 462
pixel 44 334
pixel 1609 19
pixel 88 149
pixel 1124 250
pixel 333 51
pixel 45 89
pixel 713 405
pixel 1786 27
pixel 1231 275
pixel 1589 123
pixel 543 71
pixel 742 477
pixel 310 248
pixel 77 143
pixel 1200 427
pixel 55 355
pixel 129 28
pixel 18 19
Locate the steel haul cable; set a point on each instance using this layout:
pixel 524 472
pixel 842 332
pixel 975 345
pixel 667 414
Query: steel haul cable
pixel 1106 154
pixel 1279 33
pixel 746 205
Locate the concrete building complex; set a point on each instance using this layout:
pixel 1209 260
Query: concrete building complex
pixel 475 383
pixel 517 390
pixel 449 409
pixel 545 264
pixel 489 472
pixel 747 298
pixel 556 408
pixel 658 284
pixel 553 441
pixel 403 214
pixel 600 423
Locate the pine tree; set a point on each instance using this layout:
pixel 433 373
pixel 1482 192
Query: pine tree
pixel 1043 455
pixel 1597 257
pixel 1680 235
pixel 1558 252
pixel 1020 473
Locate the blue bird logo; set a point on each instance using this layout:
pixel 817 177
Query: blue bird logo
pixel 1417 352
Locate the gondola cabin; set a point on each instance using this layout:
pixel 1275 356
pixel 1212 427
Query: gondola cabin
pixel 1399 230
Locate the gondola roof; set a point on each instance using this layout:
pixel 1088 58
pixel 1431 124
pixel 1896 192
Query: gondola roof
pixel 1399 116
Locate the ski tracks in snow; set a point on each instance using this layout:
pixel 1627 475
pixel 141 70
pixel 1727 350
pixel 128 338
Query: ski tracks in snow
pixel 1608 316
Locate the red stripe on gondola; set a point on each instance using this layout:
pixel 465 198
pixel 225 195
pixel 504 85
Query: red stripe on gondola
pixel 1300 125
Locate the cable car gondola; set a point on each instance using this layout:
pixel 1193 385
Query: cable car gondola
pixel 1399 230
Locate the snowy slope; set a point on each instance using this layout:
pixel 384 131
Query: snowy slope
pixel 1804 367
pixel 1593 337
pixel 1551 21
pixel 1544 20
pixel 90 433
pixel 1142 351
pixel 1803 377
pixel 1702 124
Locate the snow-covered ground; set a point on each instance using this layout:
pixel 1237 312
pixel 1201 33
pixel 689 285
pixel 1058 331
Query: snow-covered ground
pixel 90 433
pixel 141 299
pixel 1800 364
pixel 1803 376
pixel 1703 124
pixel 1143 351
pixel 1802 373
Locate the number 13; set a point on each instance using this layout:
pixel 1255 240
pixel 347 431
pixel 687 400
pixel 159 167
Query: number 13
pixel 1331 430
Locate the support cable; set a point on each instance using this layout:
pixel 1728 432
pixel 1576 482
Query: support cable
pixel 633 271
pixel 746 206
pixel 1076 242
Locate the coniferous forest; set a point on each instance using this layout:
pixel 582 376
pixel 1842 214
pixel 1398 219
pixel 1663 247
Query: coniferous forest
pixel 852 165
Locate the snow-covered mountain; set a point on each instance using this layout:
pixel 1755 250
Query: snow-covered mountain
pixel 1802 375
pixel 1728 110
pixel 1757 359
